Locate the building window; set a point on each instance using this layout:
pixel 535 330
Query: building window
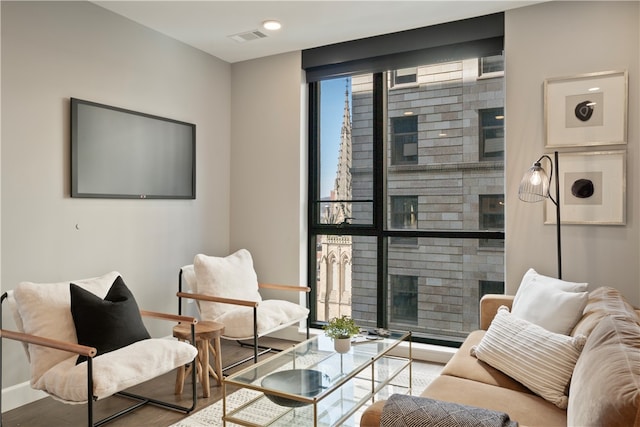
pixel 404 216
pixel 490 287
pixel 491 134
pixel 491 66
pixel 491 210
pixel 404 212
pixel 404 299
pixel 404 138
pixel 404 76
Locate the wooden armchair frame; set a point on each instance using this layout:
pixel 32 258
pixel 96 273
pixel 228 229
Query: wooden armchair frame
pixel 90 353
pixel 244 303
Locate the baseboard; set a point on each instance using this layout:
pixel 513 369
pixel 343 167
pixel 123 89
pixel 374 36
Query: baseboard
pixel 18 395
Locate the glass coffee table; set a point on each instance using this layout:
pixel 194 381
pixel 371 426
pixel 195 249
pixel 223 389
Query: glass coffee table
pixel 310 384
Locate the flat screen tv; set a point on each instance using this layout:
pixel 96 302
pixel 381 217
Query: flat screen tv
pixel 123 154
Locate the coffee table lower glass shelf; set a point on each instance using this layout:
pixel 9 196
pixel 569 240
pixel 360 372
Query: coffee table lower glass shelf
pixel 312 385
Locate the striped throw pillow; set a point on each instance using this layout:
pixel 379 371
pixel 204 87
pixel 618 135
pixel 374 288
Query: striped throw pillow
pixel 541 360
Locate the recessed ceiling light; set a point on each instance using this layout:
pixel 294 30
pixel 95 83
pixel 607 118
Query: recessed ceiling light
pixel 271 25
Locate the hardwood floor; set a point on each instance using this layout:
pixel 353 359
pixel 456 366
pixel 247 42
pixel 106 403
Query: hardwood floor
pixel 48 412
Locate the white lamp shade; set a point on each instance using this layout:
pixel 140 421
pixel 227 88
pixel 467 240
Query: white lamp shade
pixel 534 186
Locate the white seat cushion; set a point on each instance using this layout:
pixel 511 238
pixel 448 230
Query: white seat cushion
pixel 116 370
pixel 272 314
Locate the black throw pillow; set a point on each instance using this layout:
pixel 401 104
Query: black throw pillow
pixel 108 324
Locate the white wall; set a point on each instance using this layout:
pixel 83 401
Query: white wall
pixel 268 167
pixel 558 39
pixel 52 51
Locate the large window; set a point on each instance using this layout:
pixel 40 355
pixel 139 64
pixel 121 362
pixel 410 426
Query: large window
pixel 406 185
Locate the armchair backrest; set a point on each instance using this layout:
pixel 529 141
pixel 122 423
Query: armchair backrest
pixel 231 277
pixel 44 309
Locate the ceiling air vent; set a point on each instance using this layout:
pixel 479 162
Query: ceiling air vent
pixel 248 36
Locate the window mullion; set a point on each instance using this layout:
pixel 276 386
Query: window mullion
pixel 379 192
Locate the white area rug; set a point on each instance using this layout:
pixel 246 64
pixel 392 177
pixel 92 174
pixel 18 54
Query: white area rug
pixel 211 416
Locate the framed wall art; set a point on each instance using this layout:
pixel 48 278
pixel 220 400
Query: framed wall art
pixel 592 188
pixel 589 109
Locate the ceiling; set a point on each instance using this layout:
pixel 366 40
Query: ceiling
pixel 207 24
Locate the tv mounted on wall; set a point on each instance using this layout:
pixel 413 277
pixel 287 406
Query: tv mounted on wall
pixel 123 154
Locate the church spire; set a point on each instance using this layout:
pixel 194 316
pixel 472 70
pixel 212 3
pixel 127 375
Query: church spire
pixel 342 186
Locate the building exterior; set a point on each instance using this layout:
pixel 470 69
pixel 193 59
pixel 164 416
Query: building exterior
pixel 445 172
pixel 334 252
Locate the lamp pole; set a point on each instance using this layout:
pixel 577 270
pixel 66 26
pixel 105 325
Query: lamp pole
pixel 535 187
pixel 557 203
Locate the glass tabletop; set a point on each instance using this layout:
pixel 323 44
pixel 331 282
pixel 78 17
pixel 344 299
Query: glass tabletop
pixel 312 369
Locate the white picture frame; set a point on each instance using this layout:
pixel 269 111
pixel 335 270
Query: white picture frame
pixel 592 188
pixel 587 109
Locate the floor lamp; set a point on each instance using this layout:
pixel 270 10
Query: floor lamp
pixel 534 187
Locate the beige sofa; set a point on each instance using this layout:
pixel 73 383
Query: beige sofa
pixel 605 384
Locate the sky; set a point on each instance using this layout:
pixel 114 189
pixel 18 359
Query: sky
pixel 331 109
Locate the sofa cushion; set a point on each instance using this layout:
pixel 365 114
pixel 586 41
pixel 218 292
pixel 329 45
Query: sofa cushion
pixel 602 302
pixel 525 408
pixel 230 277
pixel 605 389
pixel 554 304
pixel 464 365
pixel 44 310
pixel 106 324
pixel 541 360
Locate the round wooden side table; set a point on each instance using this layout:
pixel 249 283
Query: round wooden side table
pixel 207 340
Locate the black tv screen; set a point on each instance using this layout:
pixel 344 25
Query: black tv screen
pixel 118 153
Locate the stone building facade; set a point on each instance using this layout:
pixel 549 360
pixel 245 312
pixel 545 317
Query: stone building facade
pixel 444 172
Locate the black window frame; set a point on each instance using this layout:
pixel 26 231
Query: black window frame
pixel 457 40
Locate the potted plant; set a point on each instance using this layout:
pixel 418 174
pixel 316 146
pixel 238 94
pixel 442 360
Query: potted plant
pixel 341 329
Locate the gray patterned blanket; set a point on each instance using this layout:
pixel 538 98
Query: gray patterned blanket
pixel 412 411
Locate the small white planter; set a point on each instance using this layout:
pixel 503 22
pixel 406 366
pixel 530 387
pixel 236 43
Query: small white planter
pixel 342 345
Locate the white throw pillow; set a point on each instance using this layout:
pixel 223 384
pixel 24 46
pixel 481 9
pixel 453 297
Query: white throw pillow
pixel 553 304
pixel 541 360
pixel 45 310
pixel 230 277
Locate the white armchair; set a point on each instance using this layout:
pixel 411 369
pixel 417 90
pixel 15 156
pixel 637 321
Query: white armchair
pixel 227 291
pixel 86 341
